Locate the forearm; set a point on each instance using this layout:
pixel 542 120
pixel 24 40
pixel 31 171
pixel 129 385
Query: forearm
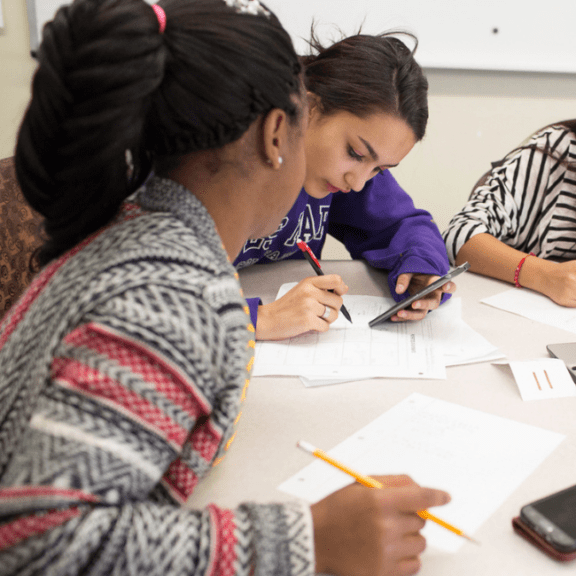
pixel 161 540
pixel 491 257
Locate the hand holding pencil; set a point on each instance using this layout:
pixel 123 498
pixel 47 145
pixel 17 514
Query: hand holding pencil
pixel 373 532
pixel 370 482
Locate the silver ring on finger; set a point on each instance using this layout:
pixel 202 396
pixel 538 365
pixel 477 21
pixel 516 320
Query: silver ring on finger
pixel 327 312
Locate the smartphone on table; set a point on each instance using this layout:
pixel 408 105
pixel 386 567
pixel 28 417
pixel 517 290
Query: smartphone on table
pixel 451 274
pixel 550 524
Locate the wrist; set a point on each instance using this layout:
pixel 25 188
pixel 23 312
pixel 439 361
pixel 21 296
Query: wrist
pixel 518 270
pixel 535 274
pixel 260 328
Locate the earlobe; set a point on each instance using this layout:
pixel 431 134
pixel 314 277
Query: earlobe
pixel 274 137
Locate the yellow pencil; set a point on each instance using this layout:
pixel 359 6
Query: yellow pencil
pixel 373 483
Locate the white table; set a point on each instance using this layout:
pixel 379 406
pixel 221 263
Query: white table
pixel 279 411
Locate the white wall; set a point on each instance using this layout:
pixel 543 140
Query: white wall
pixel 475 117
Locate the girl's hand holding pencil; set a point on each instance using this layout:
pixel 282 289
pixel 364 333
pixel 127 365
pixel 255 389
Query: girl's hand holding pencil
pixel 359 531
pixel 373 532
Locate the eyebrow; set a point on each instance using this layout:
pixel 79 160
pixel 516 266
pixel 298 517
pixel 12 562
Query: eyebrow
pixel 372 153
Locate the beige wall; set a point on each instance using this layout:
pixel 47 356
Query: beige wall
pixel 16 66
pixel 475 117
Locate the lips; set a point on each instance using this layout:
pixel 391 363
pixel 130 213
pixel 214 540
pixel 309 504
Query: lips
pixel 332 189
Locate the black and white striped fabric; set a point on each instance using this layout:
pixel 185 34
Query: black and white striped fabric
pixel 527 201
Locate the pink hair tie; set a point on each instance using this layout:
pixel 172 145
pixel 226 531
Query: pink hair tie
pixel 161 15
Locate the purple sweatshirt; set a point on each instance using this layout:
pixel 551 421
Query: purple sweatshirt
pixel 378 224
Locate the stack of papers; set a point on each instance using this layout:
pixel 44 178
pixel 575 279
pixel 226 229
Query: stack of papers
pixel 393 350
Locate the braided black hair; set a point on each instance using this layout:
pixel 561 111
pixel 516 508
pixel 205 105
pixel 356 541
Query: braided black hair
pixel 108 82
pixel 363 74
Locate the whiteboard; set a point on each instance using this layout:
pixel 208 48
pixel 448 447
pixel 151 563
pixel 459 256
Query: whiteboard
pixel 458 34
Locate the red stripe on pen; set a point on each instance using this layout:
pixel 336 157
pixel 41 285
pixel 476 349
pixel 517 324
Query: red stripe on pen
pixel 305 248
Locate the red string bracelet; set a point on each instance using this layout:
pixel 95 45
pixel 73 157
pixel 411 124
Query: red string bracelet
pixel 518 268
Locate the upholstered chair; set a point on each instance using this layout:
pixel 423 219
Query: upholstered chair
pixel 20 236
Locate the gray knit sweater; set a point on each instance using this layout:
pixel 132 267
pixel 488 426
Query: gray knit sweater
pixel 122 370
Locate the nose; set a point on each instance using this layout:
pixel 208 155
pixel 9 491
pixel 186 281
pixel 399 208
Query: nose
pixel 356 179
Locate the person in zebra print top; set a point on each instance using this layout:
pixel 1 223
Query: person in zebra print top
pixel 124 366
pixel 519 224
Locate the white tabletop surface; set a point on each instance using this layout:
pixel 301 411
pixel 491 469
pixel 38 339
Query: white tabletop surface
pixel 279 411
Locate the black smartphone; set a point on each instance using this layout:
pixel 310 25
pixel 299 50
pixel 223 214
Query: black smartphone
pixel 566 351
pixel 553 518
pixel 408 301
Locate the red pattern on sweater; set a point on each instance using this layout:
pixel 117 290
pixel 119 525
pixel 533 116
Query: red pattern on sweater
pixel 91 382
pixel 224 542
pixel 166 378
pixel 180 480
pixel 22 528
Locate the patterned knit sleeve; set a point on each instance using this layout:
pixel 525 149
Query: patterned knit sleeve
pixel 142 402
pixel 510 198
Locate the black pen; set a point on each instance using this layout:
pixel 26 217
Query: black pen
pixel 309 255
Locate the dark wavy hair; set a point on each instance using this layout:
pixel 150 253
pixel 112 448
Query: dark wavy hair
pixel 109 87
pixel 566 160
pixel 363 74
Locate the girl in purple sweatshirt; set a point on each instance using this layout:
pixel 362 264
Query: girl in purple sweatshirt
pixel 368 108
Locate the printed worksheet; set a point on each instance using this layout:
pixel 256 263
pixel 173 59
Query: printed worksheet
pixel 399 350
pixel 355 351
pixel 479 458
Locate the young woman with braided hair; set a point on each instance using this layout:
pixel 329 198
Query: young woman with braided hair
pixel 368 108
pixel 123 367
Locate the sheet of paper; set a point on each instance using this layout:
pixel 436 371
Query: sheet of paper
pixel 461 343
pixel 534 306
pixel 543 378
pixel 356 351
pixel 479 458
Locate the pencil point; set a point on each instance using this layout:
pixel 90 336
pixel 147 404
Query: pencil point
pixel 471 539
pixel 306 446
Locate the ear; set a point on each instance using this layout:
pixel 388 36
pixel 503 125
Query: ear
pixel 314 104
pixel 275 136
